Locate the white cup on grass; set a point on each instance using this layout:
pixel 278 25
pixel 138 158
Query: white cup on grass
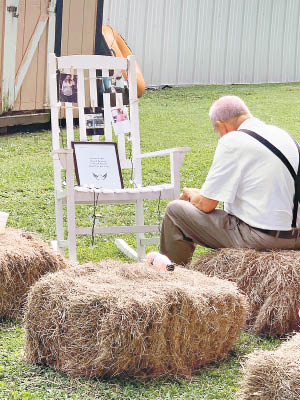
pixel 3 219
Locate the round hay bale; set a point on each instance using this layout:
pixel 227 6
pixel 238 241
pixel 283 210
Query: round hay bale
pixel 270 279
pixel 273 375
pixel 115 319
pixel 23 260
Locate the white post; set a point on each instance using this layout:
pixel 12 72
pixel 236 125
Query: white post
pixel 71 207
pixel 176 160
pixel 52 83
pixel 9 54
pixel 139 217
pixel 81 103
pixel 134 119
pixel 136 149
pixel 107 111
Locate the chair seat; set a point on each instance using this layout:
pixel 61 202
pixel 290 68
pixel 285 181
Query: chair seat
pixel 164 191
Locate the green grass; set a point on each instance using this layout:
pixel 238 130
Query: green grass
pixel 19 380
pixel 169 118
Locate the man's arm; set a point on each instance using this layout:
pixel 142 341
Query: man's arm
pixel 202 203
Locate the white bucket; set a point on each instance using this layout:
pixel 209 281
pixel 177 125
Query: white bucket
pixel 3 220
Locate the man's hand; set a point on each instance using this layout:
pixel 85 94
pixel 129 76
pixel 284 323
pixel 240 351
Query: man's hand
pixel 202 203
pixel 189 193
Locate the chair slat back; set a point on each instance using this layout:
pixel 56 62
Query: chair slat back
pixel 86 68
pixel 91 61
pixel 81 104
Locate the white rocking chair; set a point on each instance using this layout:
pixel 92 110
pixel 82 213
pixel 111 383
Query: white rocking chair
pixel 67 193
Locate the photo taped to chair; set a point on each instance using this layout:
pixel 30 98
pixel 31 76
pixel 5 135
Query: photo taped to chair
pixel 94 121
pixel 120 120
pixel 67 92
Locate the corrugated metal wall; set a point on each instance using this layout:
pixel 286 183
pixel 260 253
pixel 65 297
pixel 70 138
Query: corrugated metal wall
pixel 182 42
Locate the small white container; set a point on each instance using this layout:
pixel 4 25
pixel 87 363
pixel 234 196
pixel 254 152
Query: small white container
pixel 3 219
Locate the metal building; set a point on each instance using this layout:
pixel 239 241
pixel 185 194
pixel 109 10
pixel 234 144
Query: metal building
pixel 184 42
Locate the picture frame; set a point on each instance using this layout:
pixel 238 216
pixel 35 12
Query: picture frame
pixel 97 165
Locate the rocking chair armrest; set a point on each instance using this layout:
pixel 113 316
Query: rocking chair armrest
pixel 164 152
pixel 62 151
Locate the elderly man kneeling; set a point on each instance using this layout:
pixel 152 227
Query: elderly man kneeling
pixel 253 172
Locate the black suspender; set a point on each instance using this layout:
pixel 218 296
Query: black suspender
pixel 286 162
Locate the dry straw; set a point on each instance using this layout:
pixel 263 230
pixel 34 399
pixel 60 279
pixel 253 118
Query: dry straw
pixel 273 375
pixel 23 260
pixel 126 319
pixel 270 279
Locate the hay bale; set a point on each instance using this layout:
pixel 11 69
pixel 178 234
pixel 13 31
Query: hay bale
pixel 270 279
pixel 23 260
pixel 114 319
pixel 273 375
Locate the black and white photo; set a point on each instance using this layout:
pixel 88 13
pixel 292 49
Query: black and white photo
pixel 94 121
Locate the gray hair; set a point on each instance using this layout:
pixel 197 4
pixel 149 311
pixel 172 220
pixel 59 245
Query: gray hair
pixel 226 108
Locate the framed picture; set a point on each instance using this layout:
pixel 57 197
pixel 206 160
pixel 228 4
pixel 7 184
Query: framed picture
pixel 94 121
pixel 97 165
pixel 68 88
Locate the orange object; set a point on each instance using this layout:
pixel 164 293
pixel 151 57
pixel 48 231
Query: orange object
pixel 121 49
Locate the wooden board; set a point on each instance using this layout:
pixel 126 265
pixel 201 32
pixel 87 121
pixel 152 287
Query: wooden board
pixel 9 55
pixel 78 30
pixel 24 119
pixel 33 90
pixel 88 35
pixel 78 27
pixel 20 45
pixel 78 37
pixel 42 63
pixel 65 27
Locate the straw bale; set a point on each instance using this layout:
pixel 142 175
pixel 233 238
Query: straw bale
pixel 24 258
pixel 270 279
pixel 273 375
pixel 114 318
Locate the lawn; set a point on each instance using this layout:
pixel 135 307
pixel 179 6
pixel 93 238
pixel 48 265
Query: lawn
pixel 172 117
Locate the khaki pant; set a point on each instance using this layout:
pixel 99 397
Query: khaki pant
pixel 184 226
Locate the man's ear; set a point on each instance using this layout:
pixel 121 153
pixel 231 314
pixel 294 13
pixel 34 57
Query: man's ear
pixel 220 128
